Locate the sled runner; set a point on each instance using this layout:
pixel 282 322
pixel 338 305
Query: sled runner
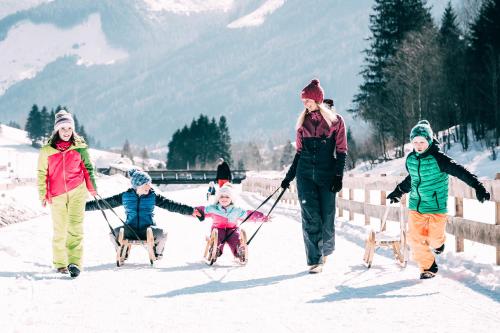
pixel 210 254
pixel 378 239
pixel 211 249
pixel 243 248
pixel 125 245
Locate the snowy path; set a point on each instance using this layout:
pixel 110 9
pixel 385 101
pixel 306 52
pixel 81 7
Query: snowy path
pixel 271 294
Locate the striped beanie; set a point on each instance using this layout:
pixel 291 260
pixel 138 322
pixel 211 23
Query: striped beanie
pixel 138 178
pixel 63 119
pixel 423 129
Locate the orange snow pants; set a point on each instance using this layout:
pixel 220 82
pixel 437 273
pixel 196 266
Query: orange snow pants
pixel 426 231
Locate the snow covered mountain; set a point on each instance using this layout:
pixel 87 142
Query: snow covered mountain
pixel 150 66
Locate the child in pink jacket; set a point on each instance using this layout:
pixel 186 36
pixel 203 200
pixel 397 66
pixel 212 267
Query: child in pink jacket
pixel 226 216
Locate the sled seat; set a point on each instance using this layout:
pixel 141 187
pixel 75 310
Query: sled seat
pixel 382 239
pixel 125 246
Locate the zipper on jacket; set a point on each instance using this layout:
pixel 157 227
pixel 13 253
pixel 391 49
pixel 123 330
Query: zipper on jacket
pixel 418 184
pixel 138 203
pixel 64 172
pixel 435 196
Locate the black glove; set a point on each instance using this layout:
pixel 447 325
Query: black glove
pixel 395 196
pixel 285 183
pixel 202 215
pixel 481 193
pixel 336 184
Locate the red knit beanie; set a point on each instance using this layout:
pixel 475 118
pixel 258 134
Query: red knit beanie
pixel 313 91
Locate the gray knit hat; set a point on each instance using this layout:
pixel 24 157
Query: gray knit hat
pixel 63 118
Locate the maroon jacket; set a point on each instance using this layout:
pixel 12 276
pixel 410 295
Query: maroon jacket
pixel 321 150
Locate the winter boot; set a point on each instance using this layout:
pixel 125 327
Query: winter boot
pixel 430 272
pixel 314 269
pixel 158 256
pixel 62 270
pixel 74 271
pixel 439 250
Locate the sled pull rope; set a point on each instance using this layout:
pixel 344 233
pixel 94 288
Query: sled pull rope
pixel 274 205
pixel 106 218
pixel 248 216
pixel 111 208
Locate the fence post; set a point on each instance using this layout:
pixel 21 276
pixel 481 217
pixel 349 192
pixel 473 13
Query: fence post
pixel 497 218
pixel 382 203
pixel 459 212
pixel 367 201
pixel 351 198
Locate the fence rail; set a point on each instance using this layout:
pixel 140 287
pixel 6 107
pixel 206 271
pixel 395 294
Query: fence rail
pixel 461 228
pixel 180 176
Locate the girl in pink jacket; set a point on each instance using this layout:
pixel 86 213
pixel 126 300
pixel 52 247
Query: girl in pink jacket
pixel 226 216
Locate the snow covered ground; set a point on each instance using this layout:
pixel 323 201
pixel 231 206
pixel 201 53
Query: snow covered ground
pixel 273 293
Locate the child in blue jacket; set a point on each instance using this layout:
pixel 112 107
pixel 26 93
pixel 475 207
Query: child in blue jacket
pixel 139 202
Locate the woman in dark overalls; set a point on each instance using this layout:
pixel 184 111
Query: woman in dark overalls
pixel 319 165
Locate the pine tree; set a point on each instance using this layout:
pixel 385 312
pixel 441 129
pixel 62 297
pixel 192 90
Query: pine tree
pixel 484 61
pixel 452 103
pixel 414 78
pixel 144 156
pixel 254 158
pixel 173 157
pixel 126 151
pixel 200 144
pixel 33 126
pixel 287 155
pixel 241 165
pixel 45 124
pixel 13 124
pixel 353 153
pixel 224 148
pixel 391 22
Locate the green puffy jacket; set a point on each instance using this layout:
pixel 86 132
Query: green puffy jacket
pixel 427 181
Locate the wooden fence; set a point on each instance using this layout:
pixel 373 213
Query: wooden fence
pixel 461 228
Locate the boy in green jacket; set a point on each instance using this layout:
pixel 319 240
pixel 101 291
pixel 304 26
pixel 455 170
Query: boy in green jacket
pixel 427 183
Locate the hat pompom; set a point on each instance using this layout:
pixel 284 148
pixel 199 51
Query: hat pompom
pixel 424 122
pixel 131 172
pixel 315 82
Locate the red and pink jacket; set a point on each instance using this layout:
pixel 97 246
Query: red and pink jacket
pixel 230 216
pixel 62 171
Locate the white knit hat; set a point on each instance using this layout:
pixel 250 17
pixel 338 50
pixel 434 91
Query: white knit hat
pixel 226 190
pixel 63 118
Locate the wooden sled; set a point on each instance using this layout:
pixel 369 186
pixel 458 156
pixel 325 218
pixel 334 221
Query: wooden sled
pixel 210 253
pixel 125 245
pixel 379 239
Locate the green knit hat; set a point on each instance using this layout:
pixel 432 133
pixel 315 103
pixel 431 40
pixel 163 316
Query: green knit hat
pixel 423 129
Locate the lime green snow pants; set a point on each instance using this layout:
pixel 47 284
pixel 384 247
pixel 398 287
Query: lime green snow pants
pixel 67 215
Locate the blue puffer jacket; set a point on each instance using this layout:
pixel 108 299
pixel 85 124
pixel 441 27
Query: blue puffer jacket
pixel 140 209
